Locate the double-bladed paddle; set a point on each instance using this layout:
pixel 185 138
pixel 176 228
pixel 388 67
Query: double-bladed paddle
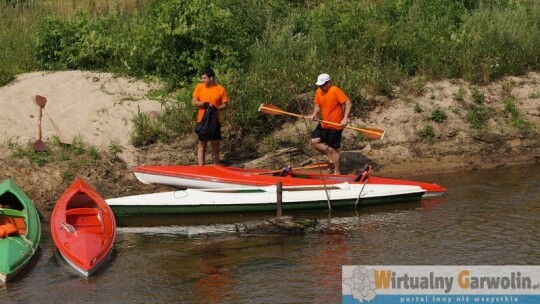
pixel 367 132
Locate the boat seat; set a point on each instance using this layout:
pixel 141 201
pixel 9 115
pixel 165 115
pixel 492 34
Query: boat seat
pixel 286 171
pixel 12 213
pixel 81 211
pixel 83 217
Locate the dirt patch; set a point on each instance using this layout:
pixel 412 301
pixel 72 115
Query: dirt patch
pixel 99 109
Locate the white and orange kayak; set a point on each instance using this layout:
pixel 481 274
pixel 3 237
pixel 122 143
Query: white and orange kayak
pixel 263 199
pixel 215 176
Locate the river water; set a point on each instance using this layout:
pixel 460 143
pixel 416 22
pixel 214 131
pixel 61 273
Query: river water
pixel 488 217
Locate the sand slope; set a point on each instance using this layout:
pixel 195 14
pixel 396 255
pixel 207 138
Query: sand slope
pixel 96 106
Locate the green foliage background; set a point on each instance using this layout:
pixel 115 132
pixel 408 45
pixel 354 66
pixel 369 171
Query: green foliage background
pixel 272 51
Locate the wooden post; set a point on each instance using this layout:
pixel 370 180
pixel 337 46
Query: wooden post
pixel 279 199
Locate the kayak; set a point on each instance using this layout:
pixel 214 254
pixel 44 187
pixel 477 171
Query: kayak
pixel 216 176
pixel 255 199
pixel 20 230
pixel 83 228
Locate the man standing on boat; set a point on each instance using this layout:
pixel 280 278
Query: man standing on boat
pixel 208 95
pixel 329 102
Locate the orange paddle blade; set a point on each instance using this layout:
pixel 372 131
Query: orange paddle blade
pixel 273 110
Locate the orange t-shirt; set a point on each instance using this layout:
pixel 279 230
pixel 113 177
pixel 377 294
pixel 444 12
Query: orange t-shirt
pixel 331 104
pixel 215 95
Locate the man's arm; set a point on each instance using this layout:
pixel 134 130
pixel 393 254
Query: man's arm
pixel 348 107
pixel 196 103
pixel 316 111
pixel 223 106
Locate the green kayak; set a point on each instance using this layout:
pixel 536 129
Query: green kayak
pixel 20 229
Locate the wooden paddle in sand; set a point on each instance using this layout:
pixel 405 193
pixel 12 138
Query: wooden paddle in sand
pixel 41 101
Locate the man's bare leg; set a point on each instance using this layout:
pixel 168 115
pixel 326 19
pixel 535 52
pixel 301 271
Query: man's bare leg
pixel 215 151
pixel 334 156
pixel 201 152
pixel 331 153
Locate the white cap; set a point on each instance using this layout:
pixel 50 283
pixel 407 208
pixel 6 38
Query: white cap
pixel 322 79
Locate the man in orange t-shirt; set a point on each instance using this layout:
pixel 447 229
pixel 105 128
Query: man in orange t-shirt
pixel 209 95
pixel 329 102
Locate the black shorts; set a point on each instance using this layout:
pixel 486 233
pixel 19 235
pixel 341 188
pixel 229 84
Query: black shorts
pixel 331 138
pixel 214 136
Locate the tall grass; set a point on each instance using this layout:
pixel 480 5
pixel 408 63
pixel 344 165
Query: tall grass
pixel 20 20
pixel 17 34
pixel 272 51
pixel 498 41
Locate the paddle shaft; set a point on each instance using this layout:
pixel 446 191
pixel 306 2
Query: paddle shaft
pixel 39 145
pixel 314 166
pixel 38 131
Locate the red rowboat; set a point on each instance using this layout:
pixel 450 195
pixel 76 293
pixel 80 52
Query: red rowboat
pixel 213 176
pixel 83 228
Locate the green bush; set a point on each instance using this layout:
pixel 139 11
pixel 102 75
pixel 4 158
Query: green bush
pixel 438 116
pixel 535 94
pixel 94 153
pixel 145 131
pixel 178 114
pixel 510 108
pixel 417 108
pixel 115 147
pixel 75 43
pixel 511 111
pixel 427 133
pixel 478 96
pixel 460 94
pixel 478 116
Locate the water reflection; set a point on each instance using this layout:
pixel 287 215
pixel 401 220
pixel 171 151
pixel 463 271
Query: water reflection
pixel 214 278
pixel 333 252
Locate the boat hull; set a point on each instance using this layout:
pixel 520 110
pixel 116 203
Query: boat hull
pixel 81 270
pixel 83 228
pixel 262 199
pixel 17 249
pixel 207 177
